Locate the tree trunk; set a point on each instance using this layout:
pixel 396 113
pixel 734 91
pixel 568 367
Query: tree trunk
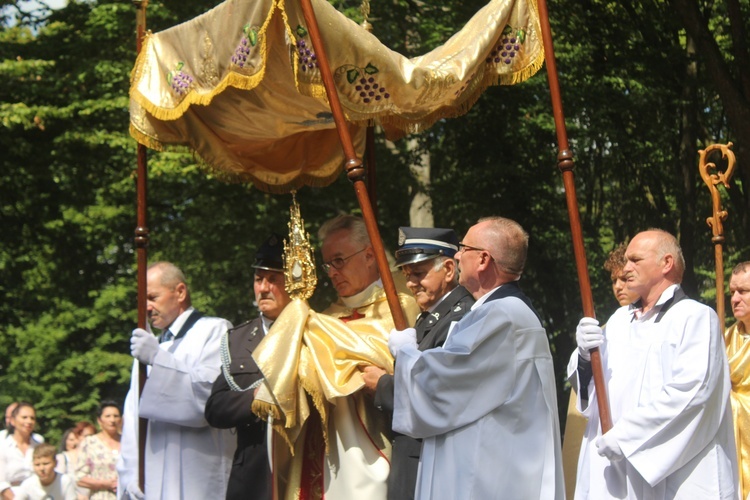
pixel 688 170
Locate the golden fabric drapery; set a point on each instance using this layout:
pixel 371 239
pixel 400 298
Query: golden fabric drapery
pixel 240 85
pixel 308 356
pixel 310 363
pixel 738 354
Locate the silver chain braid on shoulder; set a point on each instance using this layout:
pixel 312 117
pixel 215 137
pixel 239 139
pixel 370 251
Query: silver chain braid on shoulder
pixel 226 364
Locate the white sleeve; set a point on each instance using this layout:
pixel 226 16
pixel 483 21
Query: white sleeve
pixel 127 464
pixel 69 488
pixel 662 436
pixel 435 391
pixel 178 387
pixel 4 483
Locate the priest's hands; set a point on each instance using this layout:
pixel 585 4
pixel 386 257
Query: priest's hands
pixel 607 447
pixel 371 375
pixel 144 346
pixel 400 339
pixel 588 335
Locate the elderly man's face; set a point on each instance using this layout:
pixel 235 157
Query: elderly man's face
pixel 644 268
pixel 427 284
pixel 270 294
pixel 355 273
pixel 739 292
pixel 163 304
pixel 469 257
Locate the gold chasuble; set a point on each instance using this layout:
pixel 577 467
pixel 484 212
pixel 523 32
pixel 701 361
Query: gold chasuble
pixel 328 438
pixel 738 353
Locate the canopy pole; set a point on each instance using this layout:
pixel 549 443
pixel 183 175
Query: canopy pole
pixel 354 169
pixel 712 176
pixel 370 165
pixel 565 164
pixel 141 244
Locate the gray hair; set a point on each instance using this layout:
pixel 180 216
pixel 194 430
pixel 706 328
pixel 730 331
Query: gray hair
pixel 742 267
pixel 355 225
pixel 508 243
pixel 171 275
pixel 666 243
pixel 439 263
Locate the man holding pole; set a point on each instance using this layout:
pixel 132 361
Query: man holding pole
pixel 667 379
pixel 185 458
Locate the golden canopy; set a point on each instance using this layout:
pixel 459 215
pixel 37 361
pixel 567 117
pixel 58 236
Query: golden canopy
pixel 240 85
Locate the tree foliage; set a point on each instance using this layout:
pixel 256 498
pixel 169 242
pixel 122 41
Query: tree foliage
pixel 645 85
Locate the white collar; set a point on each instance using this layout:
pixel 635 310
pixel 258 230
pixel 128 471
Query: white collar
pixel 484 298
pixel 179 322
pixel 266 322
pixel 636 307
pixel 358 299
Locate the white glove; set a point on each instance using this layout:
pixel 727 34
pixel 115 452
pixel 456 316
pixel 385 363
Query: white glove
pixel 588 335
pixel 606 446
pixel 133 492
pixel 143 346
pixel 401 338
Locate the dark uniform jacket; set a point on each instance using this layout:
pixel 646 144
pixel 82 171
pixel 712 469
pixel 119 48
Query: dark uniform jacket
pixel 227 408
pixel 432 330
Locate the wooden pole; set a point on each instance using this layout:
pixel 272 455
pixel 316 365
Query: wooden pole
pixel 712 176
pixel 565 164
pixel 370 165
pixel 141 244
pixel 354 169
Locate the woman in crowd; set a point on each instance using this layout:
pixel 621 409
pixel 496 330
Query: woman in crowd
pixel 17 448
pixel 84 429
pixel 68 456
pixel 98 455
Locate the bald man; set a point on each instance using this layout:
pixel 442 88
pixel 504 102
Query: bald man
pixel 668 385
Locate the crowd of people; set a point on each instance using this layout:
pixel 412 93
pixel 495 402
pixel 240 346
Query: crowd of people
pixel 341 404
pixel 82 467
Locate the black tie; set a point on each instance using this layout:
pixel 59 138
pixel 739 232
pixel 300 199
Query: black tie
pixel 421 317
pixel 167 336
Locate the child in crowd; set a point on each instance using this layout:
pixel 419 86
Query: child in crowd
pixel 46 483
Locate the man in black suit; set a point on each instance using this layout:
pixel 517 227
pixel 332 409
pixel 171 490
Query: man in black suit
pixel 425 256
pixel 234 390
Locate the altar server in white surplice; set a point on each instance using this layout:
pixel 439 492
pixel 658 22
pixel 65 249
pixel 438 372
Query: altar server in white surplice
pixel 668 385
pixel 185 458
pixel 485 403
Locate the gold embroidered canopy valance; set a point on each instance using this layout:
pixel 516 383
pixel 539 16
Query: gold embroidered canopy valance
pixel 240 85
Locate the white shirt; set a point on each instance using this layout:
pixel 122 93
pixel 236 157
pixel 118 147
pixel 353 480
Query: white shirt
pixel 668 387
pixel 62 488
pixel 486 407
pixel 15 466
pixel 185 457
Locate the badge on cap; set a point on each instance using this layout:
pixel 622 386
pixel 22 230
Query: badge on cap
pixel 417 244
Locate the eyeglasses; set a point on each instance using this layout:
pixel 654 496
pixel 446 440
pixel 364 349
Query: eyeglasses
pixel 467 248
pixel 339 262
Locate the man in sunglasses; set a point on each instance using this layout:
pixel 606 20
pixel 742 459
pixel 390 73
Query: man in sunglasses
pixel 425 257
pixel 485 403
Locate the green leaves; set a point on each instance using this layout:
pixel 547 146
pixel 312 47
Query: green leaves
pixel 67 190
